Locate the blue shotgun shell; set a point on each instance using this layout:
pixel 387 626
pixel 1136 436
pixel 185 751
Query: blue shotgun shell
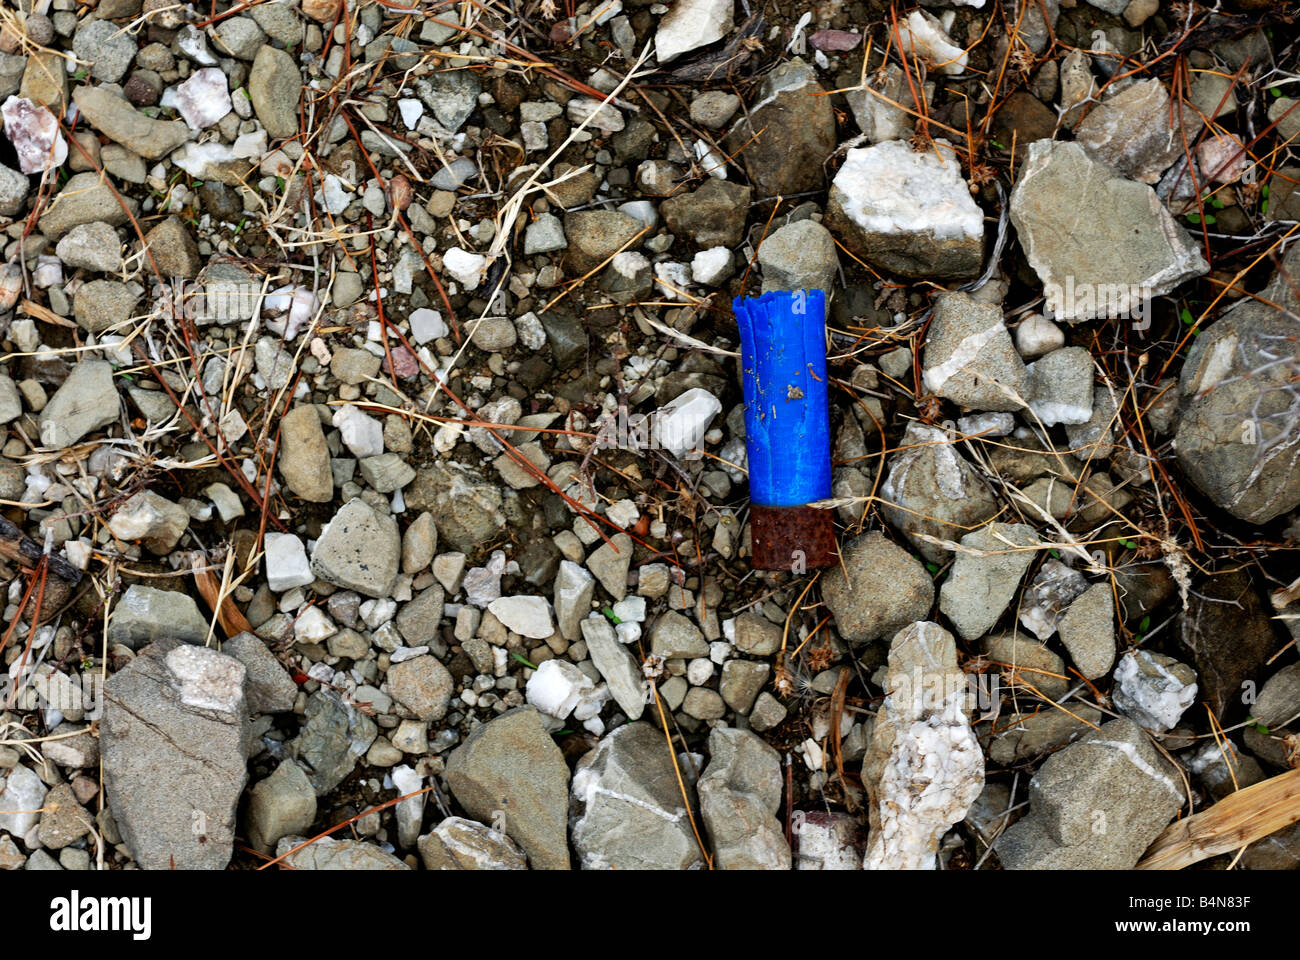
pixel 787 426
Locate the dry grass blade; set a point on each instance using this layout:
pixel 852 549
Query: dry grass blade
pixel 1235 821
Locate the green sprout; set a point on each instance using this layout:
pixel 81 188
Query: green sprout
pixel 525 661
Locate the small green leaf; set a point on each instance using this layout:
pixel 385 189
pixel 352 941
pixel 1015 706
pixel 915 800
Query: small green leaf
pixel 1187 316
pixel 1276 91
pixel 1263 190
pixel 1258 725
pixel 609 613
pixel 1145 625
pixel 1216 203
pixel 998 145
pixel 1128 544
pixel 933 568
pixel 1055 553
pixel 527 663
pixel 1210 220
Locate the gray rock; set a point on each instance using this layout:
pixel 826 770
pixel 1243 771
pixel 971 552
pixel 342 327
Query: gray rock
pixel 714 108
pixel 1097 804
pixel 280 21
pixel 767 712
pixel 419 543
pixel 85 199
pixel 1153 689
pixel 1027 662
pixel 330 854
pixel 574 588
pixel 493 334
pixel 418 620
pixel 122 123
pixel 627 810
pixel 304 459
pixel 703 704
pixel 674 636
pixel 1087 629
pixel 931 490
pixel 544 235
pixel 282 805
pixel 617 665
pixel 460 844
pixel 106 47
pixel 1279 699
pixel 740 792
pixel 451 95
pixel 1131 131
pixel 1238 437
pixel 91 246
pixel 13 191
pixel 1105 249
pixel 173 250
pixel 175 738
pixel 101 305
pixel 239 36
pixel 980 586
pixel 155 520
pixel 87 401
pixel 885 589
pixel 596 235
pixel 1060 387
pixel 144 615
pixel 274 364
pixel 65 820
pixel 422 686
pixel 741 682
pixel 274 85
pixel 466 508
pixel 1027 736
pixel 610 563
pixel 969 357
pixel 1092 440
pixel 386 472
pixel 11 404
pixel 360 550
pixel 712 216
pixel 789 101
pixel 23 796
pixel 268 688
pixel 1053 589
pixel 756 635
pixel 801 256
pixel 509 767
pixel 334 736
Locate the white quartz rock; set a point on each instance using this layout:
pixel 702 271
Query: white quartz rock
pixel 361 433
pixel 924 767
pixel 923 36
pixel 465 266
pixel 679 427
pixel 691 24
pixel 203 99
pixel 286 563
pixel 34 132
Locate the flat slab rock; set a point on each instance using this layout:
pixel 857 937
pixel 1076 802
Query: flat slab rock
pixel 174 739
pixel 1101 244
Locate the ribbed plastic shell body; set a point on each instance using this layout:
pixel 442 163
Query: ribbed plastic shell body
pixel 787 427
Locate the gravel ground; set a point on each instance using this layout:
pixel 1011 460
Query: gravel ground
pixel 373 488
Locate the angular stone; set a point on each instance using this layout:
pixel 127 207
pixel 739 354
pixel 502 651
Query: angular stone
pixel 1107 248
pixel 932 491
pixel 144 615
pixel 282 805
pixel 969 357
pixel 423 686
pixel 274 85
pixel 1088 631
pixel 907 211
pixel 466 508
pixel 610 563
pixel 616 664
pixel 122 123
pixel 627 809
pixel 304 458
pixel 175 738
pixel 360 550
pixel 886 589
pixel 268 688
pixel 155 520
pixel 785 137
pixel 509 768
pixel 334 736
pixel 980 586
pixel 86 402
pixel 460 844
